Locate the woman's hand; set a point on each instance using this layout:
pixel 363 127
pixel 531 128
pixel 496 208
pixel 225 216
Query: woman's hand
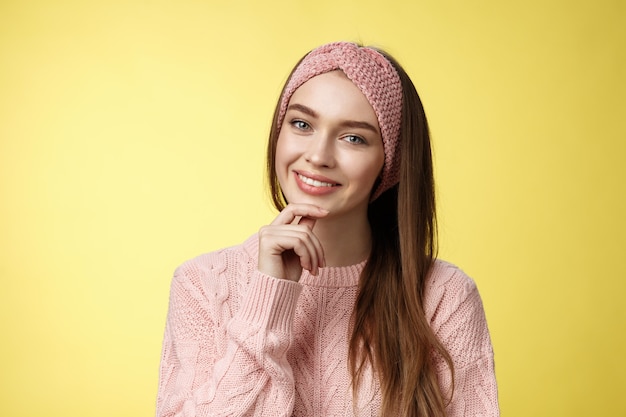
pixel 288 244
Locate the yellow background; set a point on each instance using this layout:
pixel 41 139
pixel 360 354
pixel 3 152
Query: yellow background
pixel 132 137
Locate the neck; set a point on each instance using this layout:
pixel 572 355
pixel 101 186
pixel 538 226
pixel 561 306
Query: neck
pixel 345 241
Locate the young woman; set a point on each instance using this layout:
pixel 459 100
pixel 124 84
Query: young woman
pixel 338 307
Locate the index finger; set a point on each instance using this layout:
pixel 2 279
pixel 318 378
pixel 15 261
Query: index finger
pixel 292 211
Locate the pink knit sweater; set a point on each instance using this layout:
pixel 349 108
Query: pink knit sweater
pixel 241 343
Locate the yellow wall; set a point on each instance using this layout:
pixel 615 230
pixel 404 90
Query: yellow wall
pixel 132 137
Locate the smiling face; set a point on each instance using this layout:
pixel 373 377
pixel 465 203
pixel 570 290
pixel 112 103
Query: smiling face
pixel 329 151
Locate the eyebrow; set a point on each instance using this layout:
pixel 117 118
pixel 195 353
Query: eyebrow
pixel 347 123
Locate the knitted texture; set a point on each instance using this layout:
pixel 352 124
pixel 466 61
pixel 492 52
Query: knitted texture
pixel 241 343
pixel 379 82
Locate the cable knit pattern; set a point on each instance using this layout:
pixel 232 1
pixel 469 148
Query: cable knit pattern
pixel 241 343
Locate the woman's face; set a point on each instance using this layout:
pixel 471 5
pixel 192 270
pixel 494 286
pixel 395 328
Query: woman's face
pixel 329 151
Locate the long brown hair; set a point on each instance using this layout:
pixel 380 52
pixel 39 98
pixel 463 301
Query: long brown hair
pixel 390 329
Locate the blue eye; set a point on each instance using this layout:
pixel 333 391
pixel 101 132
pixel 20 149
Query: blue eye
pixel 299 124
pixel 354 139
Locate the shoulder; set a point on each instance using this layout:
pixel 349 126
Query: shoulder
pixel 456 315
pixel 229 262
pixel 449 290
pixel 220 259
pixel 446 277
pixel 455 312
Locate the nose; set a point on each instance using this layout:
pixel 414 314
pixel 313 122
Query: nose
pixel 320 151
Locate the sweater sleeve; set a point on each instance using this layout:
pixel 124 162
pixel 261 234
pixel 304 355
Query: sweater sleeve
pixel 217 364
pixel 458 319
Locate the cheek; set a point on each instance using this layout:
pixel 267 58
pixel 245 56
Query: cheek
pixel 374 169
pixel 280 152
pixel 287 150
pixel 281 159
pixel 365 174
pixel 375 175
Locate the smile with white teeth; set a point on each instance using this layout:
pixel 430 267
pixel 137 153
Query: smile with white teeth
pixel 314 183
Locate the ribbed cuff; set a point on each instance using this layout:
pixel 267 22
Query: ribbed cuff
pixel 270 302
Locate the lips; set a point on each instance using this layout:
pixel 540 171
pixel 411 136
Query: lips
pixel 315 183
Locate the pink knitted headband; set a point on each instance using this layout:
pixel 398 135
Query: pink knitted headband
pixel 377 79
